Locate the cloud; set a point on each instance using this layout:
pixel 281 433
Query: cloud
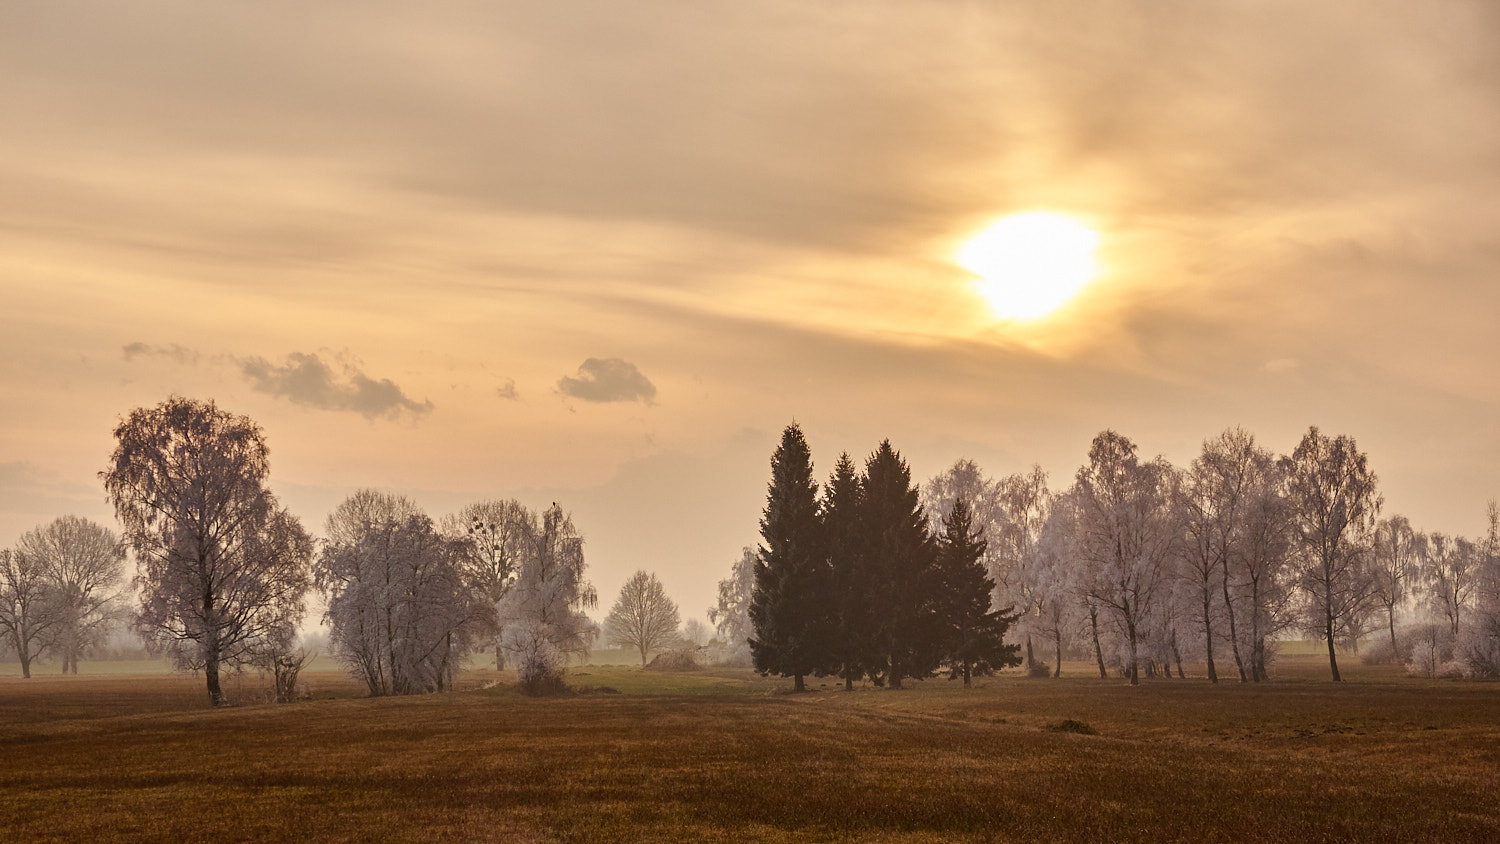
pixel 608 380
pixel 306 379
pixel 508 390
pixel 178 354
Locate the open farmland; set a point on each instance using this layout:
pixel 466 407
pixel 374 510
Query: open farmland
pixel 728 755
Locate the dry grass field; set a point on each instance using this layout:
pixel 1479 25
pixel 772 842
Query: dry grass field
pixel 726 755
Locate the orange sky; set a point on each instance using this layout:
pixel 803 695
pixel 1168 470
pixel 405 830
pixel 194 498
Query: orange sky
pixel 396 238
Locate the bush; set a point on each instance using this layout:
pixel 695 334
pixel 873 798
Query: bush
pixel 1480 649
pixel 539 665
pixel 1431 651
pixel 683 660
pixel 1039 669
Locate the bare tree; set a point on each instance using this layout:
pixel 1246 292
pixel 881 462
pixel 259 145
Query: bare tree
pixel 1261 561
pixel 83 564
pixel 1398 563
pixel 1451 570
pixel 1129 533
pixel 543 611
pixel 695 633
pixel 497 540
pixel 403 613
pixel 643 617
pixel 1023 503
pixel 30 612
pixel 731 614
pixel 1335 506
pixel 223 568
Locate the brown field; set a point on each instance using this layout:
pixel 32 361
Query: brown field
pixel 728 755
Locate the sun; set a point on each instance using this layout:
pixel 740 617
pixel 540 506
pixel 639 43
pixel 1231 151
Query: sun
pixel 1031 264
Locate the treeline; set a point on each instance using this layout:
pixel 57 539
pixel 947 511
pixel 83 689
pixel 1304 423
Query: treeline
pixel 852 582
pixel 1138 565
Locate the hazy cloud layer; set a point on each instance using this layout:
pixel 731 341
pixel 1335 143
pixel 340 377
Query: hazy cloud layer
pixel 608 380
pixel 307 379
pixel 508 390
pixel 174 352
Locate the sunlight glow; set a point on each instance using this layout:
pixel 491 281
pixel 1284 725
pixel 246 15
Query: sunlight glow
pixel 1031 264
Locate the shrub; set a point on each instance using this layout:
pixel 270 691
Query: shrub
pixel 1068 725
pixel 682 660
pixel 1039 669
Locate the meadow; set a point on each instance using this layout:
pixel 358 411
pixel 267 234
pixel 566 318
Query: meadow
pixel 728 755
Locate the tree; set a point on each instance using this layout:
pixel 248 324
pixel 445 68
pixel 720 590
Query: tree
pixel 30 612
pixel 222 567
pixel 786 608
pixel 1024 503
pixel 1451 569
pixel 695 633
pixel 496 543
pixel 403 614
pixel 731 614
pixel 1261 559
pixel 850 584
pixel 972 635
pixel 1211 497
pixel 1129 533
pixel 900 561
pixel 643 617
pixel 82 564
pixel 1334 508
pixel 543 612
pixel 1397 561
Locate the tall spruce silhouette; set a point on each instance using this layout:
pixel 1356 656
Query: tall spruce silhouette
pixel 899 559
pixel 972 636
pixel 850 584
pixel 787 608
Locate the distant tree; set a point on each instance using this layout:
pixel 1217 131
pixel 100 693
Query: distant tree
pixel 83 564
pixel 496 534
pixel 1059 571
pixel 222 568
pixel 1129 533
pixel 1397 559
pixel 643 617
pixel 695 633
pixel 543 613
pixel 30 611
pixel 900 561
pixel 1024 502
pixel 403 615
pixel 791 580
pixel 972 635
pixel 1451 571
pixel 1334 505
pixel 731 614
pixel 850 583
pixel 1261 561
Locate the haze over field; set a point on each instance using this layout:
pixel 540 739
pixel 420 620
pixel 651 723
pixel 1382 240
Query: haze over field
pixel 602 255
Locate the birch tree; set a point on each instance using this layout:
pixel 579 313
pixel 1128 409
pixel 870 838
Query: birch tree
pixel 495 541
pixel 1397 562
pixel 223 568
pixel 1261 561
pixel 730 615
pixel 1334 505
pixel 83 564
pixel 1451 570
pixel 543 613
pixel 30 612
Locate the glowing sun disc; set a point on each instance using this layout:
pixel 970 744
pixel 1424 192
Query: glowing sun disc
pixel 1031 264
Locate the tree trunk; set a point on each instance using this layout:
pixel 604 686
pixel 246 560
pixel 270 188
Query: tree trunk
pixel 25 663
pixel 1176 656
pixel 1333 660
pixel 848 682
pixel 1098 651
pixel 1057 669
pixel 211 671
pixel 797 685
pixel 643 665
pixel 1234 634
pixel 966 675
pixel 1208 636
pixel 1029 661
pixel 499 655
pixel 1135 673
pixel 1390 614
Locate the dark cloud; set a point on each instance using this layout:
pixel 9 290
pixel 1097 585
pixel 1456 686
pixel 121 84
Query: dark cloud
pixel 608 380
pixel 174 352
pixel 308 380
pixel 508 390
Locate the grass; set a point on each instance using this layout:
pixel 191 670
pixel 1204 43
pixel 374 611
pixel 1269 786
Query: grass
pixel 729 755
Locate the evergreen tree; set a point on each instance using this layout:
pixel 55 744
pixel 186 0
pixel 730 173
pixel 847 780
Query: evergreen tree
pixel 899 560
pixel 849 609
pixel 972 636
pixel 787 608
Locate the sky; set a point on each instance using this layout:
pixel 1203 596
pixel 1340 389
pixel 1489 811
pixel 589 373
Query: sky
pixel 602 253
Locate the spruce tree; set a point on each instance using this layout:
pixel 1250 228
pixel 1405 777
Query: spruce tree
pixel 787 608
pixel 850 584
pixel 899 560
pixel 972 636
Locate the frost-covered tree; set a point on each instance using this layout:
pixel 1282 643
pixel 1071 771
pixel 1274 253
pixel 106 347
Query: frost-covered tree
pixel 1261 562
pixel 643 617
pixel 1023 504
pixel 496 535
pixel 1129 534
pixel 1334 505
pixel 543 613
pixel 1451 572
pixel 83 564
pixel 731 614
pixel 791 579
pixel 1397 564
pixel 222 567
pixel 971 634
pixel 695 633
pixel 30 612
pixel 403 614
pixel 1480 645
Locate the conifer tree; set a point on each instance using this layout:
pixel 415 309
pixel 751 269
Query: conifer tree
pixel 899 560
pixel 787 608
pixel 972 636
pixel 850 583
